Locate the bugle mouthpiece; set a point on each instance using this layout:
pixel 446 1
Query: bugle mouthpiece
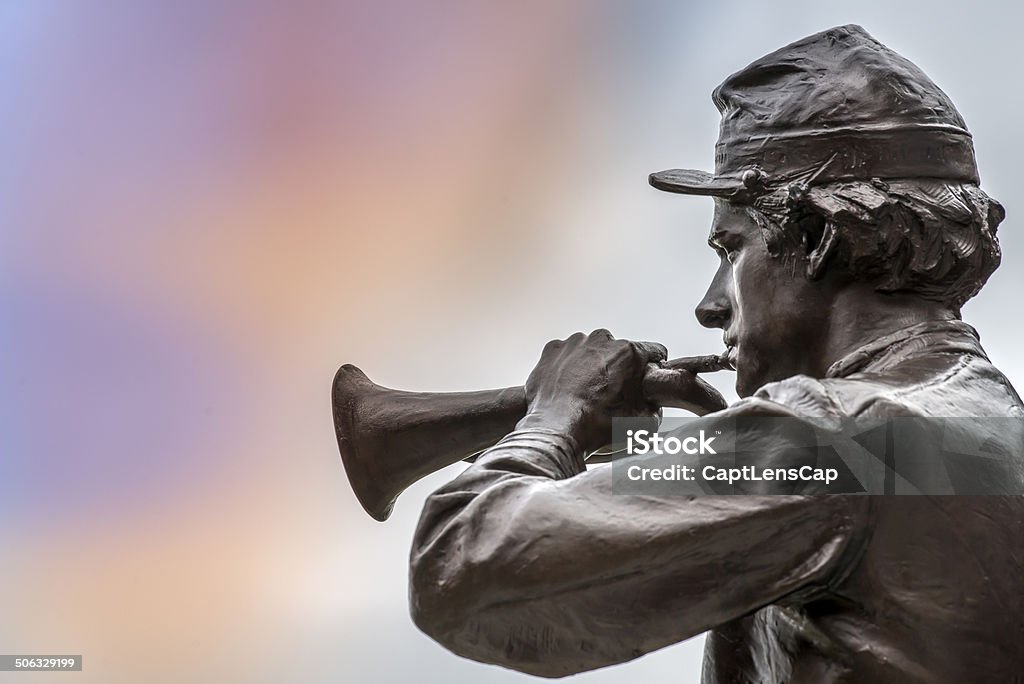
pixel 710 363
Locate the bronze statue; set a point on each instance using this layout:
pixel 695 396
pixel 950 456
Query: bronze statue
pixel 850 229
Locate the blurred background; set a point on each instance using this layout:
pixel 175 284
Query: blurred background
pixel 207 206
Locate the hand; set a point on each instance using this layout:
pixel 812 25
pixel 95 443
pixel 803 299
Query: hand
pixel 677 388
pixel 580 383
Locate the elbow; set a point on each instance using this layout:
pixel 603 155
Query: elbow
pixel 494 634
pixel 430 614
pixel 438 602
pixel 450 579
pixel 444 608
pixel 448 606
pixel 464 595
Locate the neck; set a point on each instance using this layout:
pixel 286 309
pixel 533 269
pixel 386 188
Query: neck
pixel 859 315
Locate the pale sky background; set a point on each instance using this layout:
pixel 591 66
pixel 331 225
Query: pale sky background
pixel 209 206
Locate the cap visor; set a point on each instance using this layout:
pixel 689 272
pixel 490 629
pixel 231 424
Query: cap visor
pixel 694 182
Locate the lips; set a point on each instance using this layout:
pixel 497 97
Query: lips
pixel 732 356
pixel 731 351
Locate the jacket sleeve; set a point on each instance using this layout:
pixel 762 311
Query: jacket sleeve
pixel 530 561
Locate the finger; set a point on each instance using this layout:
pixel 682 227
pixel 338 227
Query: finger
pixel 682 389
pixel 553 345
pixel 650 352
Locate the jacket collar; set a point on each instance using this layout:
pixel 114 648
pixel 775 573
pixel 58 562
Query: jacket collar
pixel 930 337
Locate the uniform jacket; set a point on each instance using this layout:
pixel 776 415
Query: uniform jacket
pixel 530 561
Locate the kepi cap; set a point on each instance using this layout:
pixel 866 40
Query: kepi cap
pixel 834 106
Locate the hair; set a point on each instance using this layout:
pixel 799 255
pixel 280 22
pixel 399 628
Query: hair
pixel 929 237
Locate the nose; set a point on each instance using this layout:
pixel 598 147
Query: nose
pixel 712 314
pixel 714 310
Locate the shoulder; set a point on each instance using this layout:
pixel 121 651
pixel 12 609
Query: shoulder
pixel 831 400
pixel 958 386
pixel 802 394
pixel 827 402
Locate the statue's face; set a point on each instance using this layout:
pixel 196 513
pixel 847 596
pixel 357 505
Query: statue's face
pixel 773 318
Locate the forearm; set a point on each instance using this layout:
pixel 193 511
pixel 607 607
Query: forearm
pixel 528 561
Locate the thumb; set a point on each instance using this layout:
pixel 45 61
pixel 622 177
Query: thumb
pixel 681 389
pixel 650 352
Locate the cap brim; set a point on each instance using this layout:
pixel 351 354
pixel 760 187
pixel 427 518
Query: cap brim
pixel 694 182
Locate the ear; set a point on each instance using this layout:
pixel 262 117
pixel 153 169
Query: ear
pixel 819 256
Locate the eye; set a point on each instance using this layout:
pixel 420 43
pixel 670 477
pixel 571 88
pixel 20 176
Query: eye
pixel 727 245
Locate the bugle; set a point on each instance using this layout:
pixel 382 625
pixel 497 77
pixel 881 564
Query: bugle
pixel 391 438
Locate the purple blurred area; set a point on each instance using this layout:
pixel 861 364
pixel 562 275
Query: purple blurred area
pixel 209 206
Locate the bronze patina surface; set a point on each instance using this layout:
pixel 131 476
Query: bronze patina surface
pixel 850 228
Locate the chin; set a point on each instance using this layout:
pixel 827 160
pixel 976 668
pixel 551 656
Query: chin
pixel 747 375
pixel 745 384
pixel 752 376
pixel 743 388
